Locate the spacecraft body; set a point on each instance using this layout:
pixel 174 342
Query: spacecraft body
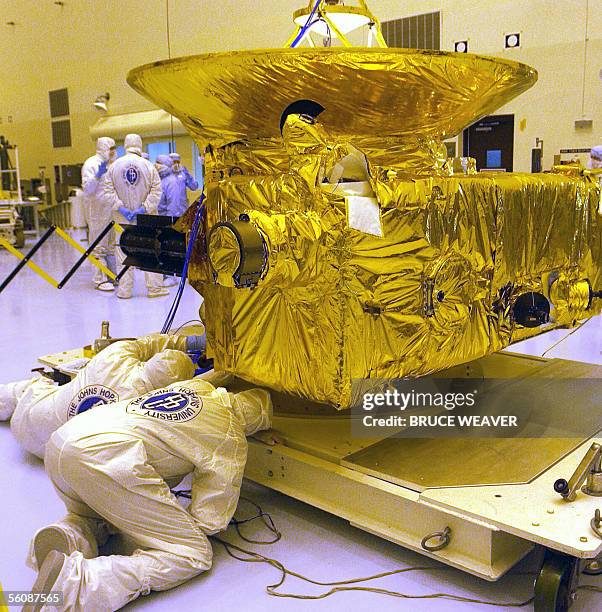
pixel 341 244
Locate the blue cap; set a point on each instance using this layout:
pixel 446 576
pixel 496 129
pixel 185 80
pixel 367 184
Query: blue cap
pixel 165 160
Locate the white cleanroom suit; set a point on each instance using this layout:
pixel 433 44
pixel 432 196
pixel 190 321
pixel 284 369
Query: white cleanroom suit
pixel 118 464
pixel 9 396
pixel 97 209
pixel 133 186
pixel 123 370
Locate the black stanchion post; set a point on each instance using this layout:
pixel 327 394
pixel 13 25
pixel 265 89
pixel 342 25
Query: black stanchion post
pixel 84 256
pixel 27 257
pixel 123 271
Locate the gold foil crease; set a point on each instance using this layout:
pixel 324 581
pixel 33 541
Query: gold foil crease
pixel 367 93
pixel 457 248
pixel 224 255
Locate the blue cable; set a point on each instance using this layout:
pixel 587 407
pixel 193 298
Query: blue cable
pixel 307 25
pixel 193 235
pixel 176 303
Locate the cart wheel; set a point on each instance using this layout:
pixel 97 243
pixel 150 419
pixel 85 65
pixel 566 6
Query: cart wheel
pixel 556 583
pixel 594 568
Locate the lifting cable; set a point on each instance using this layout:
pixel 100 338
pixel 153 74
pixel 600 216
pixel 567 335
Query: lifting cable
pixel 167 28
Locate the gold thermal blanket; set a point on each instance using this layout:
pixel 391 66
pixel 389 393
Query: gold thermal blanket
pixel 378 260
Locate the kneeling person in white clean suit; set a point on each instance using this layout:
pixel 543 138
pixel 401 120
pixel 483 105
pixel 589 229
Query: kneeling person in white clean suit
pixel 38 407
pixel 116 467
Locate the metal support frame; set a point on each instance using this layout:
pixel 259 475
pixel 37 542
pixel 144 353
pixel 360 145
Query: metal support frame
pixel 323 10
pixel 476 541
pixel 17 173
pixel 19 203
pixel 389 511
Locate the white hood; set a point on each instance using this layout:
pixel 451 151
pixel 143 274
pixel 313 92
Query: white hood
pixel 133 144
pixel 103 147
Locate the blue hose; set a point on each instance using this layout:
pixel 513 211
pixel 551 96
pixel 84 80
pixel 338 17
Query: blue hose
pixel 307 25
pixel 191 240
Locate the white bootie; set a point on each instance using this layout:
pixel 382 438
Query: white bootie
pixel 49 575
pixel 9 396
pixel 49 539
pixel 72 533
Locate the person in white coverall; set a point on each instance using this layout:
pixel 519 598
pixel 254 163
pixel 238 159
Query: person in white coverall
pixel 115 467
pixel 133 187
pixel 97 210
pixel 128 368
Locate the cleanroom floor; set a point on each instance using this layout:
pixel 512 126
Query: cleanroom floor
pixel 36 319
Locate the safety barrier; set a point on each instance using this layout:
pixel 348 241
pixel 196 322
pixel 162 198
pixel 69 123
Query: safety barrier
pixel 25 260
pixel 58 214
pixel 86 255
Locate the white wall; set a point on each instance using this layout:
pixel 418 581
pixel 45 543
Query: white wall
pixel 553 42
pixel 89 46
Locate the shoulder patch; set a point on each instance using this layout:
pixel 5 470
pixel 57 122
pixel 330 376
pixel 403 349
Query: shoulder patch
pixel 90 397
pixel 177 406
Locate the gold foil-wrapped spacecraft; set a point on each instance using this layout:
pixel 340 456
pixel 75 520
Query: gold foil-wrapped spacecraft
pixel 343 244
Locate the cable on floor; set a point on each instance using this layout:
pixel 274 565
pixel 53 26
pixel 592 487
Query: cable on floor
pixel 266 519
pixel 341 586
pixel 338 586
pixel 565 337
